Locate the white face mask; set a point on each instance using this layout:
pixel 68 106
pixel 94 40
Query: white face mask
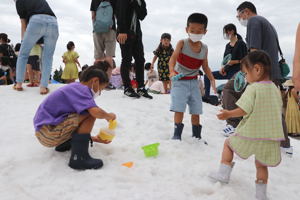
pixel 95 94
pixel 226 37
pixel 196 37
pixel 244 22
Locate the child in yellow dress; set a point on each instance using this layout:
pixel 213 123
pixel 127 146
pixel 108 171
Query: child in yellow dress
pixel 292 114
pixel 70 58
pixel 260 131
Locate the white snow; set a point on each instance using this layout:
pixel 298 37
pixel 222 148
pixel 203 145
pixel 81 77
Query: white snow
pixel 29 170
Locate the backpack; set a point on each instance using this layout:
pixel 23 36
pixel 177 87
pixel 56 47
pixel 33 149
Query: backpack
pixel 104 18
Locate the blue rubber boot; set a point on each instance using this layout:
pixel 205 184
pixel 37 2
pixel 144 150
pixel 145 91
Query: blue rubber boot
pixel 178 131
pixel 197 131
pixel 80 157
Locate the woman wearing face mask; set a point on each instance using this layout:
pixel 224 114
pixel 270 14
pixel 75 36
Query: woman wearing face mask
pixel 237 48
pixel 66 118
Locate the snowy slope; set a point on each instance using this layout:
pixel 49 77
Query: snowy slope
pixel 30 171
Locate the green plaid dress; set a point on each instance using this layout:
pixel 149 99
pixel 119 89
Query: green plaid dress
pixel 260 131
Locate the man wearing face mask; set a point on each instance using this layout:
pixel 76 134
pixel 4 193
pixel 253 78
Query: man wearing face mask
pixel 261 35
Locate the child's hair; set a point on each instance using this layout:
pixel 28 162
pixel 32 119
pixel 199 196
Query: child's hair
pixel 165 36
pixel 18 47
pixel 197 18
pixel 258 57
pixel 4 37
pixel 247 4
pixel 232 27
pixel 160 47
pixel 89 74
pixel 147 66
pixel 70 45
pixel 101 65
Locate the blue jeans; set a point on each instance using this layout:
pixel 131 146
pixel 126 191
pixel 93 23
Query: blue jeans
pixel 217 76
pixel 39 26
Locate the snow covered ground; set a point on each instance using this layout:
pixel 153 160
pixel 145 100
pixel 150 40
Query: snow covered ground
pixel 30 171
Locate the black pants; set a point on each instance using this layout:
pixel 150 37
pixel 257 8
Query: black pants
pixel 133 48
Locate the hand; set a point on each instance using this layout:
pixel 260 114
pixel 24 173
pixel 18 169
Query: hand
pixel 213 85
pixel 172 73
pixel 97 139
pixel 110 116
pixel 222 71
pixel 223 115
pixel 122 37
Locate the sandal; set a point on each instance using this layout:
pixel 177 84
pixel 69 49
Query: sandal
pixel 30 85
pixel 17 88
pixel 45 92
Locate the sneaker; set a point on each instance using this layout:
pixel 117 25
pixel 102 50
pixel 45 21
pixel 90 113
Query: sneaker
pixel 287 151
pixel 143 92
pixel 229 130
pixel 131 93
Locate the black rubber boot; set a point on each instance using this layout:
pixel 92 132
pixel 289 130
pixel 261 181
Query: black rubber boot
pixel 197 131
pixel 80 157
pixel 66 146
pixel 178 131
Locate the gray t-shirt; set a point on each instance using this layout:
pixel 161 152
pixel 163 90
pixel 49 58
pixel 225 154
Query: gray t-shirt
pixel 262 35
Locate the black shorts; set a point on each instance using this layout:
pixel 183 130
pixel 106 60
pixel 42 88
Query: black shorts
pixel 34 62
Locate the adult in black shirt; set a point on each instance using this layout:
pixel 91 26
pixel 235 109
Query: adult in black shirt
pixel 238 50
pixel 104 42
pixel 129 13
pixel 37 21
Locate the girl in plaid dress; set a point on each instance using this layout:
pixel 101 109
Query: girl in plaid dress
pixel 260 131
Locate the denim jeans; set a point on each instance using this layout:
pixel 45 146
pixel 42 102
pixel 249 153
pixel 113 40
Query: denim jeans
pixel 217 76
pixel 40 26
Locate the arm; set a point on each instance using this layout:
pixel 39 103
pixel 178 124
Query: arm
pixel 101 114
pixel 153 61
pixel 208 73
pixel 296 63
pixel 141 10
pixel 23 27
pixel 225 114
pixel 77 62
pixel 93 15
pixel 174 57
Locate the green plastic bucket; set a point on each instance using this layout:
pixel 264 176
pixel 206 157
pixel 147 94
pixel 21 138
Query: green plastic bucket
pixel 151 150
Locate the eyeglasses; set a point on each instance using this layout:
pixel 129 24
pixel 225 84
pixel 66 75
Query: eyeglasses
pixel 239 13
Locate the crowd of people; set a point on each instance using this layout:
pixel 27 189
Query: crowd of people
pixel 259 117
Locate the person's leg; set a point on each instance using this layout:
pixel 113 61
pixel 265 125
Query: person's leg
pixel 138 55
pixel 86 124
pixel 217 76
pixel 50 39
pixel 99 47
pixel 230 97
pixel 165 84
pixel 261 181
pixel 30 74
pixel 110 46
pixel 261 173
pixel 285 143
pixel 226 166
pixel 31 36
pixel 178 117
pixel 227 154
pixel 126 52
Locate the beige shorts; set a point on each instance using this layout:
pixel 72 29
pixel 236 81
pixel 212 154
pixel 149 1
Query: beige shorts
pixel 104 44
pixel 51 136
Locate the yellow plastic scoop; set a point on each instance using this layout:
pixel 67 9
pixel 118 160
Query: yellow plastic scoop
pixel 112 124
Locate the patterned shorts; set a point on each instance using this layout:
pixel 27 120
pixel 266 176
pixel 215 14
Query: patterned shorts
pixel 266 152
pixel 51 136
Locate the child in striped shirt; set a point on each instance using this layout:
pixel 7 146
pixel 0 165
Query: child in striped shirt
pixel 190 54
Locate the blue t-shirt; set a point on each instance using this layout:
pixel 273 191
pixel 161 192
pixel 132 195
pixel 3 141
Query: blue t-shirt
pixel 72 98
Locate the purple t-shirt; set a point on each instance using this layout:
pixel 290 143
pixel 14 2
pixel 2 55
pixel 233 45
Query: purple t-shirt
pixel 72 98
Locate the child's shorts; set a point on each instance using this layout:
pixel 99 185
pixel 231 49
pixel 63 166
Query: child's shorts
pixel 266 152
pixel 186 92
pixel 51 136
